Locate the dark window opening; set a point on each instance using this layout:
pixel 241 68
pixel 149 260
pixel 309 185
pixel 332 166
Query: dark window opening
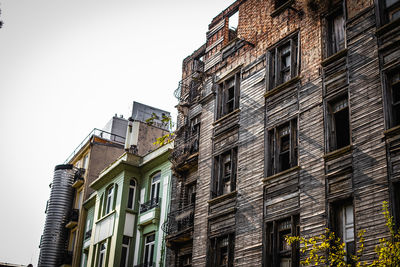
pixel 228 96
pixel 190 194
pixel 336 33
pixel 225 173
pixel 282 62
pixel 278 251
pixel 282 147
pixel 194 134
pixel 393 96
pixel 185 260
pixel 338 124
pixel 221 251
pixel 125 251
pixel 396 203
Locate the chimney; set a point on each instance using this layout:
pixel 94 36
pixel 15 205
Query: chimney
pixel 132 134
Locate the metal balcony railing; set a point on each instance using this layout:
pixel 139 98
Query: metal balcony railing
pixel 179 220
pixel 151 204
pixel 146 264
pixel 99 133
pixel 185 148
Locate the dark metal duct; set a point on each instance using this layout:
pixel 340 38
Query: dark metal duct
pixel 53 242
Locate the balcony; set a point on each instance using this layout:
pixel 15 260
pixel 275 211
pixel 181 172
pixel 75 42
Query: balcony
pixel 146 264
pixel 179 224
pixel 73 217
pixel 151 204
pixel 149 212
pixel 78 178
pixel 184 151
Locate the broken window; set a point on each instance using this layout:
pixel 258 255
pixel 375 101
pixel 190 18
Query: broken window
pixel 221 251
pixel 278 251
pixel 393 98
pixel 342 224
pixel 228 95
pixel 338 123
pixel 194 134
pixel 283 62
pixel 282 147
pixel 225 173
pixel 233 25
pixel 336 40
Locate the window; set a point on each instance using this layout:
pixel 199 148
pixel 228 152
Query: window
pixel 335 34
pixel 185 260
pixel 283 62
pixel 282 147
pixel 342 224
pixel 102 254
pixel 149 251
pixel 391 10
pixel 194 134
pixel 338 123
pixel 71 242
pixel 131 196
pixel 278 251
pixel 109 200
pixel 228 95
pixel 125 251
pixel 225 173
pixel 85 163
pixel 78 200
pixel 155 188
pixel 393 98
pixel 190 194
pixel 221 251
pixel 396 203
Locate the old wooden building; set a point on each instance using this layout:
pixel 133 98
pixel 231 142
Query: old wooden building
pixel 289 122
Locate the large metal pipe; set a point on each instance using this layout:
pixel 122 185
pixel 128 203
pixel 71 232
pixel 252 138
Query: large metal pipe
pixel 53 242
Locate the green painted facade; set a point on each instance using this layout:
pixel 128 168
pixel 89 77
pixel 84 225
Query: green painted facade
pixel 127 211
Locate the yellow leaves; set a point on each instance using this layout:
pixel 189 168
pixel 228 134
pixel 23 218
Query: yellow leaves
pixel 327 249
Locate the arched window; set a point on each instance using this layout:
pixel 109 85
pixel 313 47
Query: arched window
pixel 109 199
pixel 132 194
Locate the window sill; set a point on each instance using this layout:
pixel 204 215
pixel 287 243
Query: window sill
pixel 293 169
pixel 387 27
pixel 222 213
pixel 282 86
pixel 282 8
pixel 223 197
pixel 226 116
pixel 392 131
pixel 334 57
pixel 106 216
pixel 337 153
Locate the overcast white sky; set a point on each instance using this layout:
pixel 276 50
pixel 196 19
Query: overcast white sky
pixel 67 67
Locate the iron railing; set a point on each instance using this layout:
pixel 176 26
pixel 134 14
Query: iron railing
pixel 179 220
pixel 185 148
pixel 99 133
pixel 151 204
pixel 79 174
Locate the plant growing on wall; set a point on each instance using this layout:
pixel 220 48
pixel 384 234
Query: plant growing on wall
pixel 329 250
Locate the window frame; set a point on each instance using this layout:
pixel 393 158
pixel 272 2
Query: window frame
pixel 331 128
pixel 273 252
pixel 125 246
pixel 131 198
pixel 385 11
pixel 214 250
pixel 155 187
pixel 151 245
pixel 337 224
pixel 219 174
pixel 109 197
pixel 274 146
pixel 274 60
pixel 102 256
pixel 340 9
pixel 223 98
pixel 391 120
